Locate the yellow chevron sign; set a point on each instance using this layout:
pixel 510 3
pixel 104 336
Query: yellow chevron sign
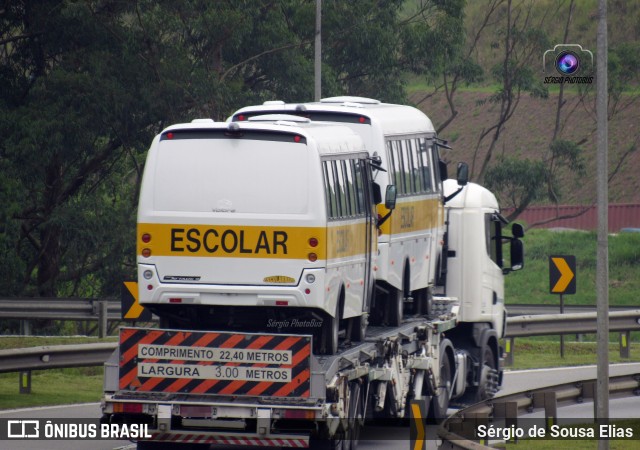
pixel 562 274
pixel 131 309
pixel 418 414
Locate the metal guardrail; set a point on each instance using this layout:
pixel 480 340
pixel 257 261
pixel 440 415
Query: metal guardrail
pixel 575 323
pixel 531 309
pixel 459 431
pixel 55 356
pixel 57 308
pixel 89 309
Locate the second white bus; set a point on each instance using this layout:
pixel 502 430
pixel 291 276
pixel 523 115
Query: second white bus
pixel 403 141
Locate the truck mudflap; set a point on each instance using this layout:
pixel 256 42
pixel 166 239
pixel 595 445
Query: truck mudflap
pixel 207 362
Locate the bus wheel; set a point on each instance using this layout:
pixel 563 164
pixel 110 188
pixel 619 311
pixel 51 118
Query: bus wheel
pixel 330 330
pixel 396 307
pixel 359 327
pixel 422 300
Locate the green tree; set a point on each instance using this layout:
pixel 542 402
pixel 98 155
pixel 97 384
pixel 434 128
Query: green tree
pixel 86 86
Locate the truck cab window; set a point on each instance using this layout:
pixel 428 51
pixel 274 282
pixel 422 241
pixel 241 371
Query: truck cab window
pixel 493 227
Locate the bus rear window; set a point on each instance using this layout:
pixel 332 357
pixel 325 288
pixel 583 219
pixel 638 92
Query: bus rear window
pixel 234 176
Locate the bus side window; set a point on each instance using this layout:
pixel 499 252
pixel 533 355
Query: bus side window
pixel 398 168
pixel 359 185
pixel 348 188
pixel 341 189
pixel 348 170
pixel 394 173
pixel 406 167
pixel 425 166
pixel 418 175
pixel 332 207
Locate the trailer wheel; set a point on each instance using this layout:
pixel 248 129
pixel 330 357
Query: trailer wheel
pixel 356 416
pixel 440 402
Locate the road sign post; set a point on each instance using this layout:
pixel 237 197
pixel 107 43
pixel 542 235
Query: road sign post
pixel 562 280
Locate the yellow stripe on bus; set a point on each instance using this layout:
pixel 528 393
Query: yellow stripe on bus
pixel 413 215
pixel 231 241
pixel 346 240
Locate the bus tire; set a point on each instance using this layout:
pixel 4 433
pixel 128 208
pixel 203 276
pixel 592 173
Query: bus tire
pixel 396 307
pixel 359 327
pixel 330 332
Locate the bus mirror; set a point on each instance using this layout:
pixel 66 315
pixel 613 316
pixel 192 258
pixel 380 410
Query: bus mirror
pixel 517 230
pixel 462 174
pixel 390 197
pixel 377 193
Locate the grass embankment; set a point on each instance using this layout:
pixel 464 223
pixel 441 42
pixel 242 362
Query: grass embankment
pixel 531 285
pixel 55 386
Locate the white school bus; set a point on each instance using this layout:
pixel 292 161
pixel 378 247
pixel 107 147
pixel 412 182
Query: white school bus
pixel 403 140
pixel 266 225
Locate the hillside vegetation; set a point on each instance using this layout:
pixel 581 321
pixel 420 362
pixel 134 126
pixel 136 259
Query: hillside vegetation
pixel 491 102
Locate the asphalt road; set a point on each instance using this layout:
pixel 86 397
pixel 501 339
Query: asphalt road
pixel 373 438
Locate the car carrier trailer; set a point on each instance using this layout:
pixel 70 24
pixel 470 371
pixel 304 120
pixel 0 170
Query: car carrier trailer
pixel 196 388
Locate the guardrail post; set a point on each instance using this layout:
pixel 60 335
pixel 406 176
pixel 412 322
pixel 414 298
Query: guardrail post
pixel 625 344
pixel 589 393
pixel 509 412
pixel 25 381
pixel 509 348
pixel 102 319
pixel 547 400
pixel 25 328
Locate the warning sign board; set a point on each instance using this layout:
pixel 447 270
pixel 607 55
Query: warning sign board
pixel 153 360
pixel 131 309
pixel 562 274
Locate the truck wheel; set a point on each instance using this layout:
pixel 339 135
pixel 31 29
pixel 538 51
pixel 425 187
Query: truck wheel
pixel 440 402
pixel 356 416
pixel 396 307
pixel 330 331
pixel 488 376
pixel 359 327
